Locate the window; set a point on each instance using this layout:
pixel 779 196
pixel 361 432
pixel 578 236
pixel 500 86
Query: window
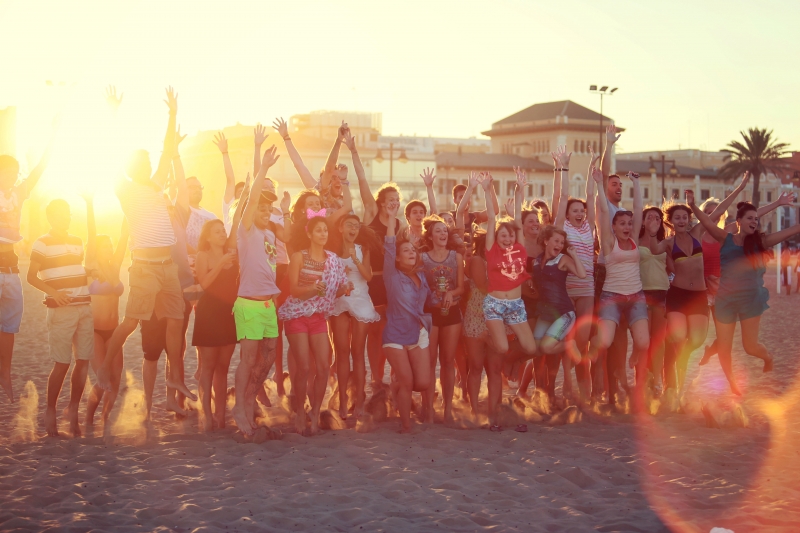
pixel 510 188
pixel 576 146
pixel 594 144
pixel 583 146
pixel 675 193
pixel 769 196
pixel 705 194
pixel 529 190
pixel 541 190
pixel 646 193
pixel 548 145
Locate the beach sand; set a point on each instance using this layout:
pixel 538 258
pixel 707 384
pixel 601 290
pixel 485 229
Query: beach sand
pixel 570 472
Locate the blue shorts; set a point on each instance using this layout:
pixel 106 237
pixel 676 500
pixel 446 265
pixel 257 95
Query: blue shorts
pixel 10 303
pixel 613 306
pixel 509 311
pixel 557 330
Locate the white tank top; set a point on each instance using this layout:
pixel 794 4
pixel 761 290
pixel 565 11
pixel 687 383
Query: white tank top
pixel 622 270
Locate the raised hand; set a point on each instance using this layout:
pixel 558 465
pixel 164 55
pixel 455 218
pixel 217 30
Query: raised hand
pixel 344 128
pixel 595 158
pixel 392 209
pixel 112 99
pixel 509 205
pixel 572 252
pixel 522 177
pixel 474 179
pixel 260 133
pixel 689 194
pixel 486 180
pixel 246 191
pixel 611 135
pixel 172 100
pixel 786 198
pixel 179 138
pixel 633 175
pixel 745 181
pixel 349 141
pixel 596 173
pixel 221 142
pixel 428 177
pixel 269 158
pixel 286 202
pixel 562 156
pixel 281 127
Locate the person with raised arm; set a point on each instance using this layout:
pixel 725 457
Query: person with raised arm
pixel 687 300
pixel 461 191
pixel 415 212
pixel 353 313
pixel 12 196
pixel 254 309
pixel 333 177
pixel 428 178
pixel 622 294
pixel 742 296
pixel 103 264
pixel 214 334
pixel 506 260
pixel 154 282
pixel 406 335
pixel 711 258
pixel 443 268
pixel 577 218
pixel 233 190
pixel 57 270
pixel 316 279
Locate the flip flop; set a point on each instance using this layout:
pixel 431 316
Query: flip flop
pixel 522 428
pixel 495 428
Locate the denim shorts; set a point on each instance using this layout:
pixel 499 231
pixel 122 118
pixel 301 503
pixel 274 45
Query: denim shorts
pixel 613 306
pixel 557 330
pixel 10 303
pixel 509 311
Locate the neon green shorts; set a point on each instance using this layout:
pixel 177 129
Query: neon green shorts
pixel 255 320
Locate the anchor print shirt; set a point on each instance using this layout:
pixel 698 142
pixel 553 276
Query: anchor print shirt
pixel 506 267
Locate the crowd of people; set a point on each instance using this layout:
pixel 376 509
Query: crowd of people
pixel 520 295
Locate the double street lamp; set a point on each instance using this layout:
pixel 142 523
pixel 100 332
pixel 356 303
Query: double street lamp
pixel 402 158
pixel 673 171
pixel 602 91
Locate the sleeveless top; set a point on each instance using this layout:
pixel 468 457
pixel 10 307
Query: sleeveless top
pixel 311 271
pixel 711 259
pixel 622 270
pixel 653 270
pixel 552 282
pixel 358 303
pixel 225 287
pixel 739 278
pixel 441 276
pixel 679 255
pixel 582 239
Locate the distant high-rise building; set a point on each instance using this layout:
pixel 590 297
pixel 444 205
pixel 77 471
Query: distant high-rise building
pixel 8 131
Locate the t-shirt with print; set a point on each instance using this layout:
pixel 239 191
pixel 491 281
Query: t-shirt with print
pixel 197 218
pixel 258 259
pixel 61 267
pixel 145 207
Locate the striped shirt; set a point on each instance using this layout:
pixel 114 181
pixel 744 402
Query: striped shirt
pixel 582 239
pixel 145 207
pixel 61 266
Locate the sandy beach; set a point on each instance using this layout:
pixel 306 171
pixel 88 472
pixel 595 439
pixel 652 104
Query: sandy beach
pixel 571 471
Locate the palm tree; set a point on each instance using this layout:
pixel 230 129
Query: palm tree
pixel 759 154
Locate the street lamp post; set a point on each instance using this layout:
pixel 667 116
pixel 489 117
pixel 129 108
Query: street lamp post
pixel 602 92
pixel 402 158
pixel 673 171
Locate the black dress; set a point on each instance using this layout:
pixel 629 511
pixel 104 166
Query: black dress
pixel 213 317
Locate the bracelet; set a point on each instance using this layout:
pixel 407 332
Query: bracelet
pixel 557 169
pixel 287 138
pixel 564 169
pixel 356 262
pixel 224 153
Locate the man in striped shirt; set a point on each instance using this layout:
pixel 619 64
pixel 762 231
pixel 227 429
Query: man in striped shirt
pixel 57 270
pixel 155 286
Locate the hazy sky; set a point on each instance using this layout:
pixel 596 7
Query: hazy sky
pixel 691 73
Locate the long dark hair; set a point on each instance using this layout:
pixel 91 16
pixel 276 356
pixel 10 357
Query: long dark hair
pixel 662 232
pixel 753 245
pixel 366 238
pixel 299 240
pixel 202 241
pixel 479 242
pixel 426 241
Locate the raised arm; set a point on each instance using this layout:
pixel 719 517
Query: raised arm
pixel 333 157
pixel 230 177
pixel 605 163
pixel 309 182
pixel 428 177
pixel 462 205
pixel 249 213
pixel 591 208
pixel 347 206
pixel 483 216
pixel 711 226
pixel 236 219
pixel 35 174
pixel 486 183
pixel 638 206
pixel 603 216
pixel 786 198
pixel 519 188
pixel 160 176
pixel 370 205
pixel 182 199
pixel 772 239
pixel 284 232
pixel 561 181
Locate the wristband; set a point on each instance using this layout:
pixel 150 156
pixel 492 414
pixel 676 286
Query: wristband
pixel 224 153
pixel 287 138
pixel 564 169
pixel 557 169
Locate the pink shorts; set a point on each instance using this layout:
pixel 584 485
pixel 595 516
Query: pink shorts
pixel 312 325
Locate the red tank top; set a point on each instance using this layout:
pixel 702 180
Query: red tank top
pixel 506 267
pixel 711 265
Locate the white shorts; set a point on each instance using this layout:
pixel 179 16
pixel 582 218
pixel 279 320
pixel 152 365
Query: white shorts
pixel 422 342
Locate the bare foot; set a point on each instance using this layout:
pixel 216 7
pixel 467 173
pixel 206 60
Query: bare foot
pixel 207 423
pixel 263 397
pixel 735 389
pixel 623 380
pixel 768 363
pixel 707 355
pixel 343 414
pixel 5 382
pixel 449 421
pixel 74 426
pixel 314 423
pixel 179 386
pixel 50 423
pixel 173 406
pixel 241 420
pixel 279 384
pixel 300 422
pixel 219 421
